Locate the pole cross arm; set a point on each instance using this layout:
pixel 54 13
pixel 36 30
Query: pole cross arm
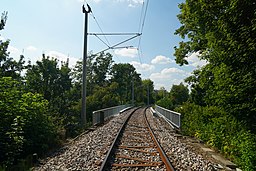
pixel 86 11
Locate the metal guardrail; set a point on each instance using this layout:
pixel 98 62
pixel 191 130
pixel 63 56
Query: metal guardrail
pixel 171 116
pixel 100 116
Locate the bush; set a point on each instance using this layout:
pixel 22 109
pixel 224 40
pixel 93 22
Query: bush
pixel 220 130
pixel 165 103
pixel 25 126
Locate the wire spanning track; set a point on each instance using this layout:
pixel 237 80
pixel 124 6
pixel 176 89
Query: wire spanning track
pixel 116 45
pixel 107 43
pixel 135 147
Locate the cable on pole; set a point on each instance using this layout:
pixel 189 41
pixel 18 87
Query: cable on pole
pixel 141 27
pixel 113 34
pixel 108 43
pixel 100 28
pixel 114 46
pixel 102 40
pixel 144 18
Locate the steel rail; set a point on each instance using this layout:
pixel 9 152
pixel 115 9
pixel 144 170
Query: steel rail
pixel 104 164
pixel 163 156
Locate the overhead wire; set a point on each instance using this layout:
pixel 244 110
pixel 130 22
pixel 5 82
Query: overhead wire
pixel 144 18
pixel 141 16
pixel 141 27
pixel 100 28
pixel 107 43
pixel 116 45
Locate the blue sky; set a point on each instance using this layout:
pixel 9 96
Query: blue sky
pixel 55 27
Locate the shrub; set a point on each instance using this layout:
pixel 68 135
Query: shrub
pixel 165 103
pixel 26 127
pixel 220 130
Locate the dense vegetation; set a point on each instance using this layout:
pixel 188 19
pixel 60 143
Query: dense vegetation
pixel 222 106
pixel 173 99
pixel 41 107
pixel 40 104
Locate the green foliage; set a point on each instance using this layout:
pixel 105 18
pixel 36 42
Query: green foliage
pixel 165 102
pixel 41 109
pixel 179 94
pixel 54 83
pixel 148 91
pixel 160 94
pixel 101 68
pixel 25 126
pixel 103 97
pixel 223 33
pixel 3 20
pixel 46 78
pixel 220 130
pixel 8 66
pixel 123 74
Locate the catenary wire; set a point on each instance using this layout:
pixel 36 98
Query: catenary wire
pixel 107 43
pixel 142 23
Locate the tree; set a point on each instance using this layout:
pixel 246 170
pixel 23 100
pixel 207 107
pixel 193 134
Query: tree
pixel 123 74
pixel 25 125
pixel 54 83
pixel 160 94
pixel 148 91
pixel 165 102
pixel 98 68
pixel 101 68
pixel 3 20
pixel 46 78
pixel 179 94
pixel 224 33
pixel 8 66
pixel 102 97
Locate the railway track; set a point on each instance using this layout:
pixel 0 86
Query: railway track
pixel 135 147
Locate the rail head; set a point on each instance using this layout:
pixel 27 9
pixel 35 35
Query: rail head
pixel 104 164
pixel 163 156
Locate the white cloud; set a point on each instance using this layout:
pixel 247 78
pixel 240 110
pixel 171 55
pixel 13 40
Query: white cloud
pixel 134 3
pixel 31 48
pixel 127 52
pixel 96 1
pixel 167 77
pixel 142 67
pixel 2 38
pixel 159 85
pixel 161 60
pixel 13 50
pixel 167 73
pixel 62 57
pixel 195 61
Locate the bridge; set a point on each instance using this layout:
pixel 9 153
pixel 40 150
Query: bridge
pixel 135 138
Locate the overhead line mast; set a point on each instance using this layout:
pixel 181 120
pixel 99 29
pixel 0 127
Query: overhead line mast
pixel 115 46
pixel 83 112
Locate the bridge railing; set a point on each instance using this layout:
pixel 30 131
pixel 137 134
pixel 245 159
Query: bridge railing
pixel 171 116
pixel 101 115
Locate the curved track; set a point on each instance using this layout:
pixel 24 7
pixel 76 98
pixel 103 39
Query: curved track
pixel 135 147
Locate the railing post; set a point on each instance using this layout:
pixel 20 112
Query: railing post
pixel 101 117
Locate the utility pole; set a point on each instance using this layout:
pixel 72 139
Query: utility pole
pixel 132 92
pixel 148 94
pixel 83 113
